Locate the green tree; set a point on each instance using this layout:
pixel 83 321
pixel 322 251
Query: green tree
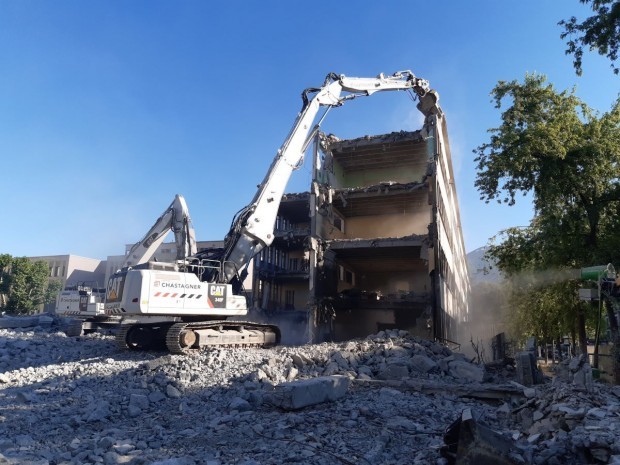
pixel 552 146
pixel 600 32
pixel 51 293
pixel 5 267
pixel 27 285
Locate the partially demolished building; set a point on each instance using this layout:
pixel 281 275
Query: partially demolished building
pixel 375 244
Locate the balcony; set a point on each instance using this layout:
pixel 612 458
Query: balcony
pixel 298 271
pixel 291 237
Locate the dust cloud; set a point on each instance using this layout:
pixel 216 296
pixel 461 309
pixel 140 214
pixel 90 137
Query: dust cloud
pixel 545 277
pixel 293 325
pixel 489 311
pixel 488 316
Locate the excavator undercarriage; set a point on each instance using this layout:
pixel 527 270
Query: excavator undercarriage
pixel 189 337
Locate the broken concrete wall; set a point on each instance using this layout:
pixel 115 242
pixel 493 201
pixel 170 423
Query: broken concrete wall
pixel 375 223
pixel 385 248
pixel 359 323
pixel 368 227
pixel 395 225
pixel 387 209
pixel 331 225
pixel 395 282
pixel 378 175
pixel 450 266
pixel 350 169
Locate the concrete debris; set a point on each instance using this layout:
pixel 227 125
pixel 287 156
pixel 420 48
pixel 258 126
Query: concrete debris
pixel 469 442
pixel 43 320
pixel 385 399
pixel 527 371
pixel 576 371
pixel 305 392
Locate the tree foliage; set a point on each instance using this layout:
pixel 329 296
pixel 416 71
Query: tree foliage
pixel 28 285
pixel 5 266
pixel 51 292
pixel 24 284
pixel 552 146
pixel 600 32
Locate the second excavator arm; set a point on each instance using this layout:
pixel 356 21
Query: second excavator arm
pixel 252 228
pixel 176 218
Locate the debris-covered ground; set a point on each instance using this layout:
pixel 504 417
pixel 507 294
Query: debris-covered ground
pixel 81 400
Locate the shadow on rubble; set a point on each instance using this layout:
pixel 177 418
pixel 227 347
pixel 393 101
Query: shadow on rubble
pixel 83 414
pixel 20 351
pixel 155 407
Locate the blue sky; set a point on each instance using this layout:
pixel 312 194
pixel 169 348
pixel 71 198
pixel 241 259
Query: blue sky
pixel 110 108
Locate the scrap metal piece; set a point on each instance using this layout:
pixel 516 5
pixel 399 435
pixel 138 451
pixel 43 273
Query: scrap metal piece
pixel 471 443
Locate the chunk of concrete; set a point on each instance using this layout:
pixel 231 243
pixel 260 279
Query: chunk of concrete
pixel 302 393
pixel 466 371
pixel 19 321
pixel 528 373
pixel 422 363
pixel 46 321
pixel 239 404
pixel 394 371
pixel 468 442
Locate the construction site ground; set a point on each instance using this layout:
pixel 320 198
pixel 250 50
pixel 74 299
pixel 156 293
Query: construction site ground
pixel 81 400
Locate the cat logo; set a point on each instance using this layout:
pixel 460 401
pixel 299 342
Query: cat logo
pixel 217 296
pixel 217 291
pixel 115 288
pixel 83 305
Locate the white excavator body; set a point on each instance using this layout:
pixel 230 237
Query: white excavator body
pixel 170 293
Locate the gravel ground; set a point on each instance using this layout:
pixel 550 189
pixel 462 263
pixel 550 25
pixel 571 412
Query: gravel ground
pixel 67 400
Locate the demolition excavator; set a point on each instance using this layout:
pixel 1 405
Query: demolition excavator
pixel 198 301
pixel 84 302
pixel 176 218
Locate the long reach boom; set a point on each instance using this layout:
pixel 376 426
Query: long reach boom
pixel 252 228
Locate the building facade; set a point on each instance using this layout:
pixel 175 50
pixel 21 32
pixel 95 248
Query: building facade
pixel 375 244
pixel 71 270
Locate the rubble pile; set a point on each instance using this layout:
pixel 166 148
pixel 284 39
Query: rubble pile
pixel 386 399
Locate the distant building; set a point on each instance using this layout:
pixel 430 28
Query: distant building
pixel 482 270
pixel 72 269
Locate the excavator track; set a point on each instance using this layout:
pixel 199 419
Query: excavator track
pixel 141 336
pixel 186 338
pixel 121 337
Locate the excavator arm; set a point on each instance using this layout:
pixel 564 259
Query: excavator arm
pixel 176 218
pixel 252 228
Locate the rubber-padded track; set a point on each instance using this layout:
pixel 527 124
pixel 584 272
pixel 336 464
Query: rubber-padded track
pixel 174 332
